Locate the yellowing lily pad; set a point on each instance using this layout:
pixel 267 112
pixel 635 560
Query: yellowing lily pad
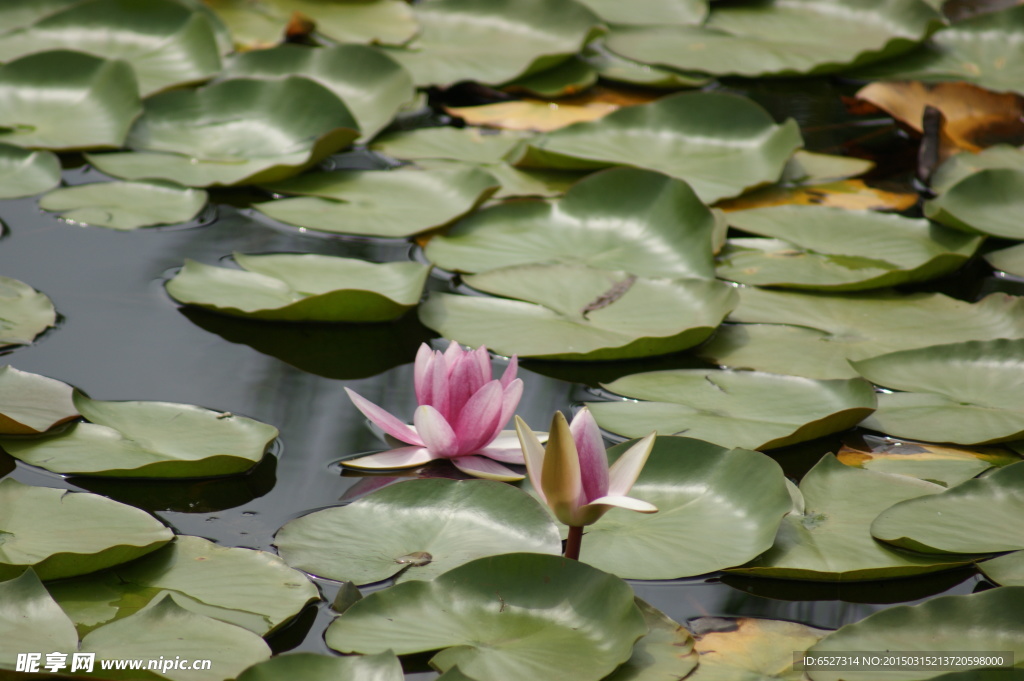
pixel 947 466
pixel 751 649
pixel 848 194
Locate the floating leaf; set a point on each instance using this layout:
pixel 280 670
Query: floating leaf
pixel 371 84
pixel 410 539
pixel 24 312
pixel 986 202
pixel 960 520
pixel 30 403
pixel 63 534
pixel 614 68
pixel 747 409
pixel 982 623
pixel 1009 260
pixel 720 144
pixel 1007 570
pixel 622 219
pixel 848 194
pixel 125 205
pixel 30 620
pixel 251 589
pixel 566 78
pixel 651 12
pixel 380 203
pixel 65 100
pixel 25 173
pixel 148 440
pixel 965 393
pixel 15 14
pixel 716 508
pixel 579 313
pixel 305 287
pixel 460 144
pixel 831 540
pixel 783 39
pixel 963 165
pixel 817 247
pixel 233 131
pixel 750 649
pixel 494 41
pixel 946 466
pixel 665 652
pixel 311 667
pixel 518 617
pixel 165 43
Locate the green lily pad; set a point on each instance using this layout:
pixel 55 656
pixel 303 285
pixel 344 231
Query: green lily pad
pixel 380 203
pixel 987 50
pixel 30 620
pixel 748 649
pixel 965 393
pixel 824 331
pixel 1007 570
pixel 410 539
pixel 566 78
pixel 818 247
pixel 517 617
pixel 125 205
pixel 494 41
pixel 311 667
pixel 721 144
pixel 233 131
pixel 627 219
pixel 615 68
pixel 15 14
pixel 964 164
pixel 665 652
pixel 650 12
pixel 24 312
pixel 579 313
pixel 1009 260
pixel 63 534
pixel 831 540
pixel 960 520
pixel 148 440
pixel 303 287
pixel 474 145
pixel 251 589
pixel 371 84
pixel 985 202
pixel 25 173
pixel 167 630
pixel 749 409
pixel 30 403
pixel 65 100
pixel 166 43
pixel 983 622
pixel 716 508
pixel 947 466
pixel 783 39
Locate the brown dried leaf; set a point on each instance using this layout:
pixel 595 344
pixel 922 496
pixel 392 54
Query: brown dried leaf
pixel 849 194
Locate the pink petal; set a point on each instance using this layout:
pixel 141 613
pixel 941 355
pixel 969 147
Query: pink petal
pixel 510 371
pixel 437 434
pixel 533 453
pixel 384 420
pixel 439 389
pixel 626 469
pixel 453 353
pixel 403 457
pixel 422 373
pixel 593 459
pixel 481 467
pixel 507 448
pixel 510 397
pixel 479 421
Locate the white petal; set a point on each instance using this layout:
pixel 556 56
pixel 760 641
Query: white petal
pixel 626 469
pixel 481 467
pixel 403 457
pixel 533 453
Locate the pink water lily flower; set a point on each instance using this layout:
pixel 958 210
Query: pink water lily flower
pixel 461 415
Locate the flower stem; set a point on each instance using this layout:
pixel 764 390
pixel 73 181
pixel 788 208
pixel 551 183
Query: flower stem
pixel 572 544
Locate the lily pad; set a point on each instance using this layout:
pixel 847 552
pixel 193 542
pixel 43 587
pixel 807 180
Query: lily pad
pixel 961 519
pixel 460 144
pixel 830 248
pixel 305 287
pixel 65 100
pixel 851 326
pixel 311 667
pixel 848 194
pixel 947 466
pixel 579 313
pixel 233 131
pixel 30 620
pixel 984 202
pixel 373 86
pixel 650 12
pixel 1007 570
pixel 251 589
pixel 960 166
pixel 63 534
pixel 494 41
pixel 665 652
pixel 748 649
pixel 615 68
pixel 380 203
pixel 125 205
pixel 26 173
pixel 24 312
pixel 166 43
pixel 983 622
pixel 410 539
pixel 783 38
pixel 716 508
pixel 749 409
pixel 15 14
pixel 517 617
pixel 1009 260
pixel 148 440
pixel 166 629
pixel 965 393
pixel 627 219
pixel 831 540
pixel 30 403
pixel 721 144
